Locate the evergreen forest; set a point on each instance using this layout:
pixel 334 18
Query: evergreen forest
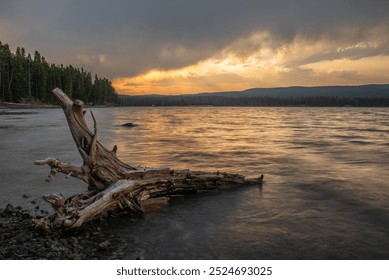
pixel 250 101
pixel 26 78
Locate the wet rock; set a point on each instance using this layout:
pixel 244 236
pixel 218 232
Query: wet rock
pixel 9 209
pixel 129 124
pixel 20 240
pixel 104 245
pixel 26 216
pixel 47 244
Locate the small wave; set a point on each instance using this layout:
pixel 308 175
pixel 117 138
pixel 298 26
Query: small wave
pixel 359 142
pixel 368 130
pixel 11 113
pixel 196 155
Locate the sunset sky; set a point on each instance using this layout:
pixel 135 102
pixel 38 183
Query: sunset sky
pixel 180 46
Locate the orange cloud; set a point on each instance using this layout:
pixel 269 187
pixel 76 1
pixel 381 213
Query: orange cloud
pixel 255 62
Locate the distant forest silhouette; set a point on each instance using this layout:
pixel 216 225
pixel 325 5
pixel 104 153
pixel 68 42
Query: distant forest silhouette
pixel 362 96
pixel 314 101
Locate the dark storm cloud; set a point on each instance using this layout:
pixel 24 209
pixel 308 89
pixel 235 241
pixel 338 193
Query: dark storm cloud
pixel 129 37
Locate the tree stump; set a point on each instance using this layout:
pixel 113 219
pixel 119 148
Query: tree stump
pixel 113 184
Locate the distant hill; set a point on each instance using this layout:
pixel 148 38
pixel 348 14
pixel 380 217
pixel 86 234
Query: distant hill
pixel 330 91
pixel 364 95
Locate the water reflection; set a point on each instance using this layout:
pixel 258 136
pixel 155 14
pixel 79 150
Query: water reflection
pixel 325 193
pixel 202 139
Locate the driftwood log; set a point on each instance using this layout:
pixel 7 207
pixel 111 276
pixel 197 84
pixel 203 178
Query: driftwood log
pixel 113 184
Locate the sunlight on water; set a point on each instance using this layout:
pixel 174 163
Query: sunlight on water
pixel 326 188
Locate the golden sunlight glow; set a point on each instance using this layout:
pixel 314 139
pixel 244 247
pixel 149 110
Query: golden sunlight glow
pixel 255 62
pixel 372 69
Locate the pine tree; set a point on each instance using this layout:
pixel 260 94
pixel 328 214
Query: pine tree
pixel 24 77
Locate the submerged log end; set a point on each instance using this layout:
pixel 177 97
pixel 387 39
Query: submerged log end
pixel 256 180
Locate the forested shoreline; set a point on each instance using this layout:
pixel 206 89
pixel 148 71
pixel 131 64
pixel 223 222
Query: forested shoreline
pixel 371 95
pixel 30 79
pixel 246 101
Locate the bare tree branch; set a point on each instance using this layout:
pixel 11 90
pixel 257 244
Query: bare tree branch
pixel 113 184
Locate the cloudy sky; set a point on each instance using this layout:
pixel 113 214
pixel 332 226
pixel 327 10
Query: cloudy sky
pixel 182 46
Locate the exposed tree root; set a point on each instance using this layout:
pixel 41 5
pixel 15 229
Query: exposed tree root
pixel 114 184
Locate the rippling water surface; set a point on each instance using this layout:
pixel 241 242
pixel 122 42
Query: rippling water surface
pixel 326 190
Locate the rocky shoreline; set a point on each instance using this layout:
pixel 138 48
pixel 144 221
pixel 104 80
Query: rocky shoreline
pixel 19 240
pixel 9 105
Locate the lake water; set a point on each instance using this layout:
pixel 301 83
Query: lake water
pixel 325 196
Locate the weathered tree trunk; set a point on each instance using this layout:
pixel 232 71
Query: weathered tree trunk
pixel 114 184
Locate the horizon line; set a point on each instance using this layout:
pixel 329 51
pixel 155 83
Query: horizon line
pixel 236 91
